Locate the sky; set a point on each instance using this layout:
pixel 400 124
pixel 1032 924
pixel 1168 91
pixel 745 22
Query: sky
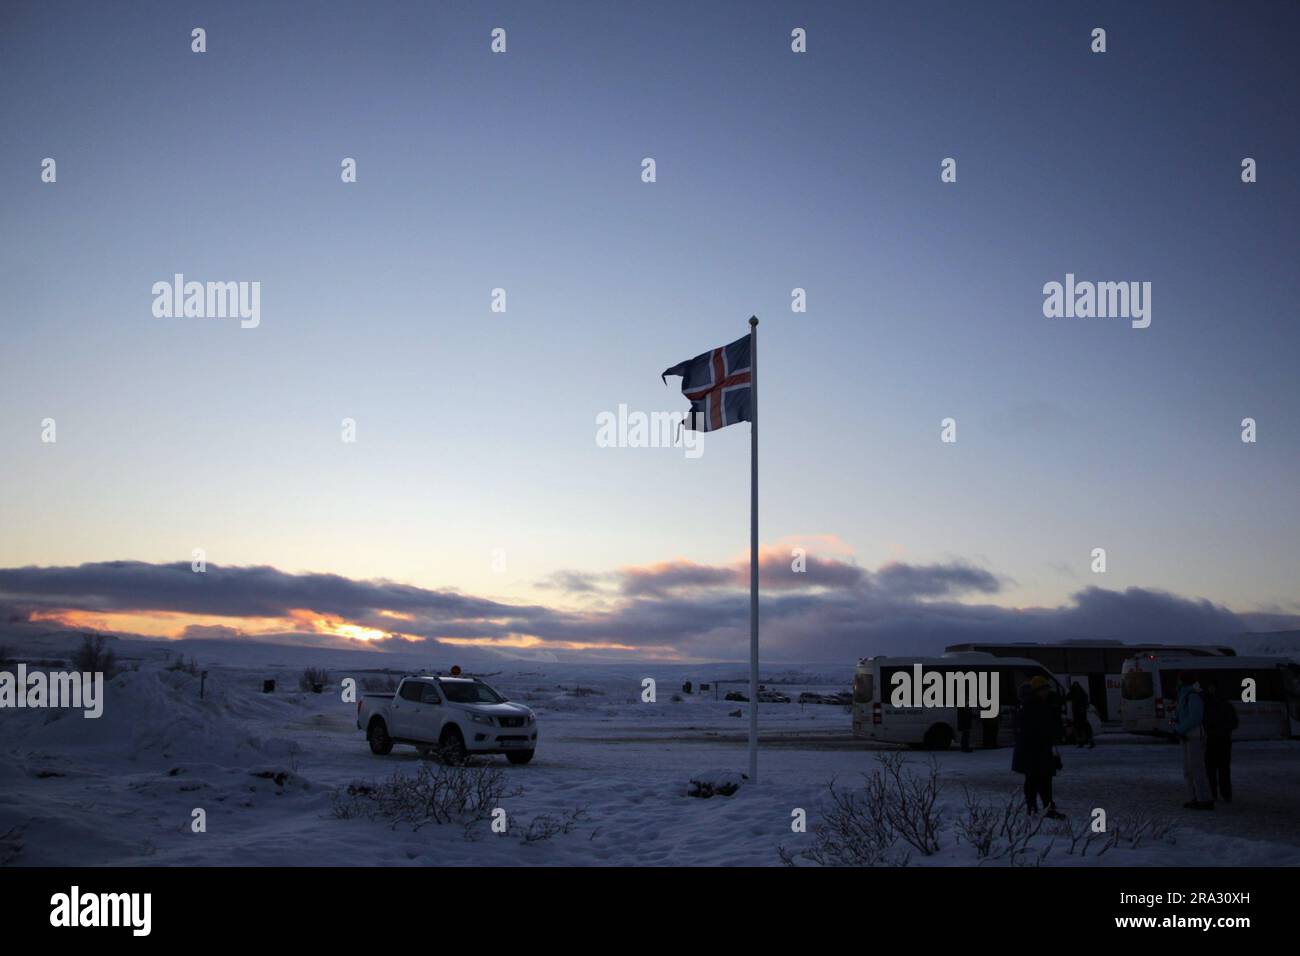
pixel 475 475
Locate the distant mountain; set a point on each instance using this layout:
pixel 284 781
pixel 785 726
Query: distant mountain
pixel 1269 643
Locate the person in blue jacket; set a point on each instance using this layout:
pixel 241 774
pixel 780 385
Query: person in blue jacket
pixel 1189 723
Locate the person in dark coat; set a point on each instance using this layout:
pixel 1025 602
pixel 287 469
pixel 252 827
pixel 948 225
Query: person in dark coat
pixel 1220 722
pixel 965 717
pixel 989 730
pixel 1078 698
pixel 1038 728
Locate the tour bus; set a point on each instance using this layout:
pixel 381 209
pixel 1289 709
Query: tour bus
pixel 1151 692
pixel 1096 665
pixel 935 728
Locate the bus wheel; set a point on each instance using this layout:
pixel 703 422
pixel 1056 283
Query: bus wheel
pixel 938 737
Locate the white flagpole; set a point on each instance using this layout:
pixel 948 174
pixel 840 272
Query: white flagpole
pixel 753 549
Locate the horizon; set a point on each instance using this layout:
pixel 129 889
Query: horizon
pixel 834 610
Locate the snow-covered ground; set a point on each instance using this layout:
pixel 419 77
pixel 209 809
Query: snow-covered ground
pixel 265 769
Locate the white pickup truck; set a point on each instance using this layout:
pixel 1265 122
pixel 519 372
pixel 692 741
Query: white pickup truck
pixel 450 717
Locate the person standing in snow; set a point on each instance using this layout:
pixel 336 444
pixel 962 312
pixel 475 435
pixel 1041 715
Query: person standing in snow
pixel 1189 723
pixel 1078 698
pixel 1220 722
pixel 989 731
pixel 965 717
pixel 1038 727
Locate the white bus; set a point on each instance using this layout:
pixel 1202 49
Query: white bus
pixel 1095 664
pixel 1151 693
pixel 935 728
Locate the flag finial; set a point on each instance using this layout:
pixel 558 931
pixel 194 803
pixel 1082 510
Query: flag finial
pixel 753 320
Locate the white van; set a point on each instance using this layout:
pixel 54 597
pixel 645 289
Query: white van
pixel 935 728
pixel 1150 689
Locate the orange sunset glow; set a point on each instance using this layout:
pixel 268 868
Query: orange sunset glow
pixel 174 624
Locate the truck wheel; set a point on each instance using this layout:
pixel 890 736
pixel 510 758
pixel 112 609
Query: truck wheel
pixel 380 742
pixel 938 737
pixel 519 756
pixel 453 747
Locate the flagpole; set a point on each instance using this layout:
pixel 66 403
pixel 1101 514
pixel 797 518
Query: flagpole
pixel 753 549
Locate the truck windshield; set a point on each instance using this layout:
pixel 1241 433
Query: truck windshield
pixel 469 692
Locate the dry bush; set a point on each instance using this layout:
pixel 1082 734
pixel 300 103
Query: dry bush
pixel 544 826
pixel 1006 833
pixel 436 794
pixel 11 844
pixel 978 825
pixel 190 667
pixel 911 801
pixel 94 657
pixel 1130 832
pixel 312 678
pixel 868 827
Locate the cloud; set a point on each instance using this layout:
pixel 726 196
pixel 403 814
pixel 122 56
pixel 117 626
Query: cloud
pixel 934 580
pixel 257 591
pixel 573 582
pixel 834 610
pixel 776 572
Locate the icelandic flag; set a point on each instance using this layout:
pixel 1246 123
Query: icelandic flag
pixel 719 385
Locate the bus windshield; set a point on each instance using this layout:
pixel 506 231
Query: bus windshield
pixel 1137 685
pixel 863 689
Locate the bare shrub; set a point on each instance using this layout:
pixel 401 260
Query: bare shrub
pixel 544 826
pixel 853 832
pixel 435 793
pixel 94 657
pixel 190 667
pixel 6 654
pixel 11 844
pixel 911 800
pixel 978 825
pixel 312 678
pixel 1005 833
pixel 1080 840
pixel 1130 832
pixel 864 827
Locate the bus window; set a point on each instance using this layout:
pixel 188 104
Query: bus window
pixel 1010 680
pixel 1085 660
pixel 1008 689
pixel 1137 685
pixel 1053 658
pixel 1268 682
pixel 863 690
pixel 1291 681
pixel 1291 687
pixel 887 682
pixel 1115 660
